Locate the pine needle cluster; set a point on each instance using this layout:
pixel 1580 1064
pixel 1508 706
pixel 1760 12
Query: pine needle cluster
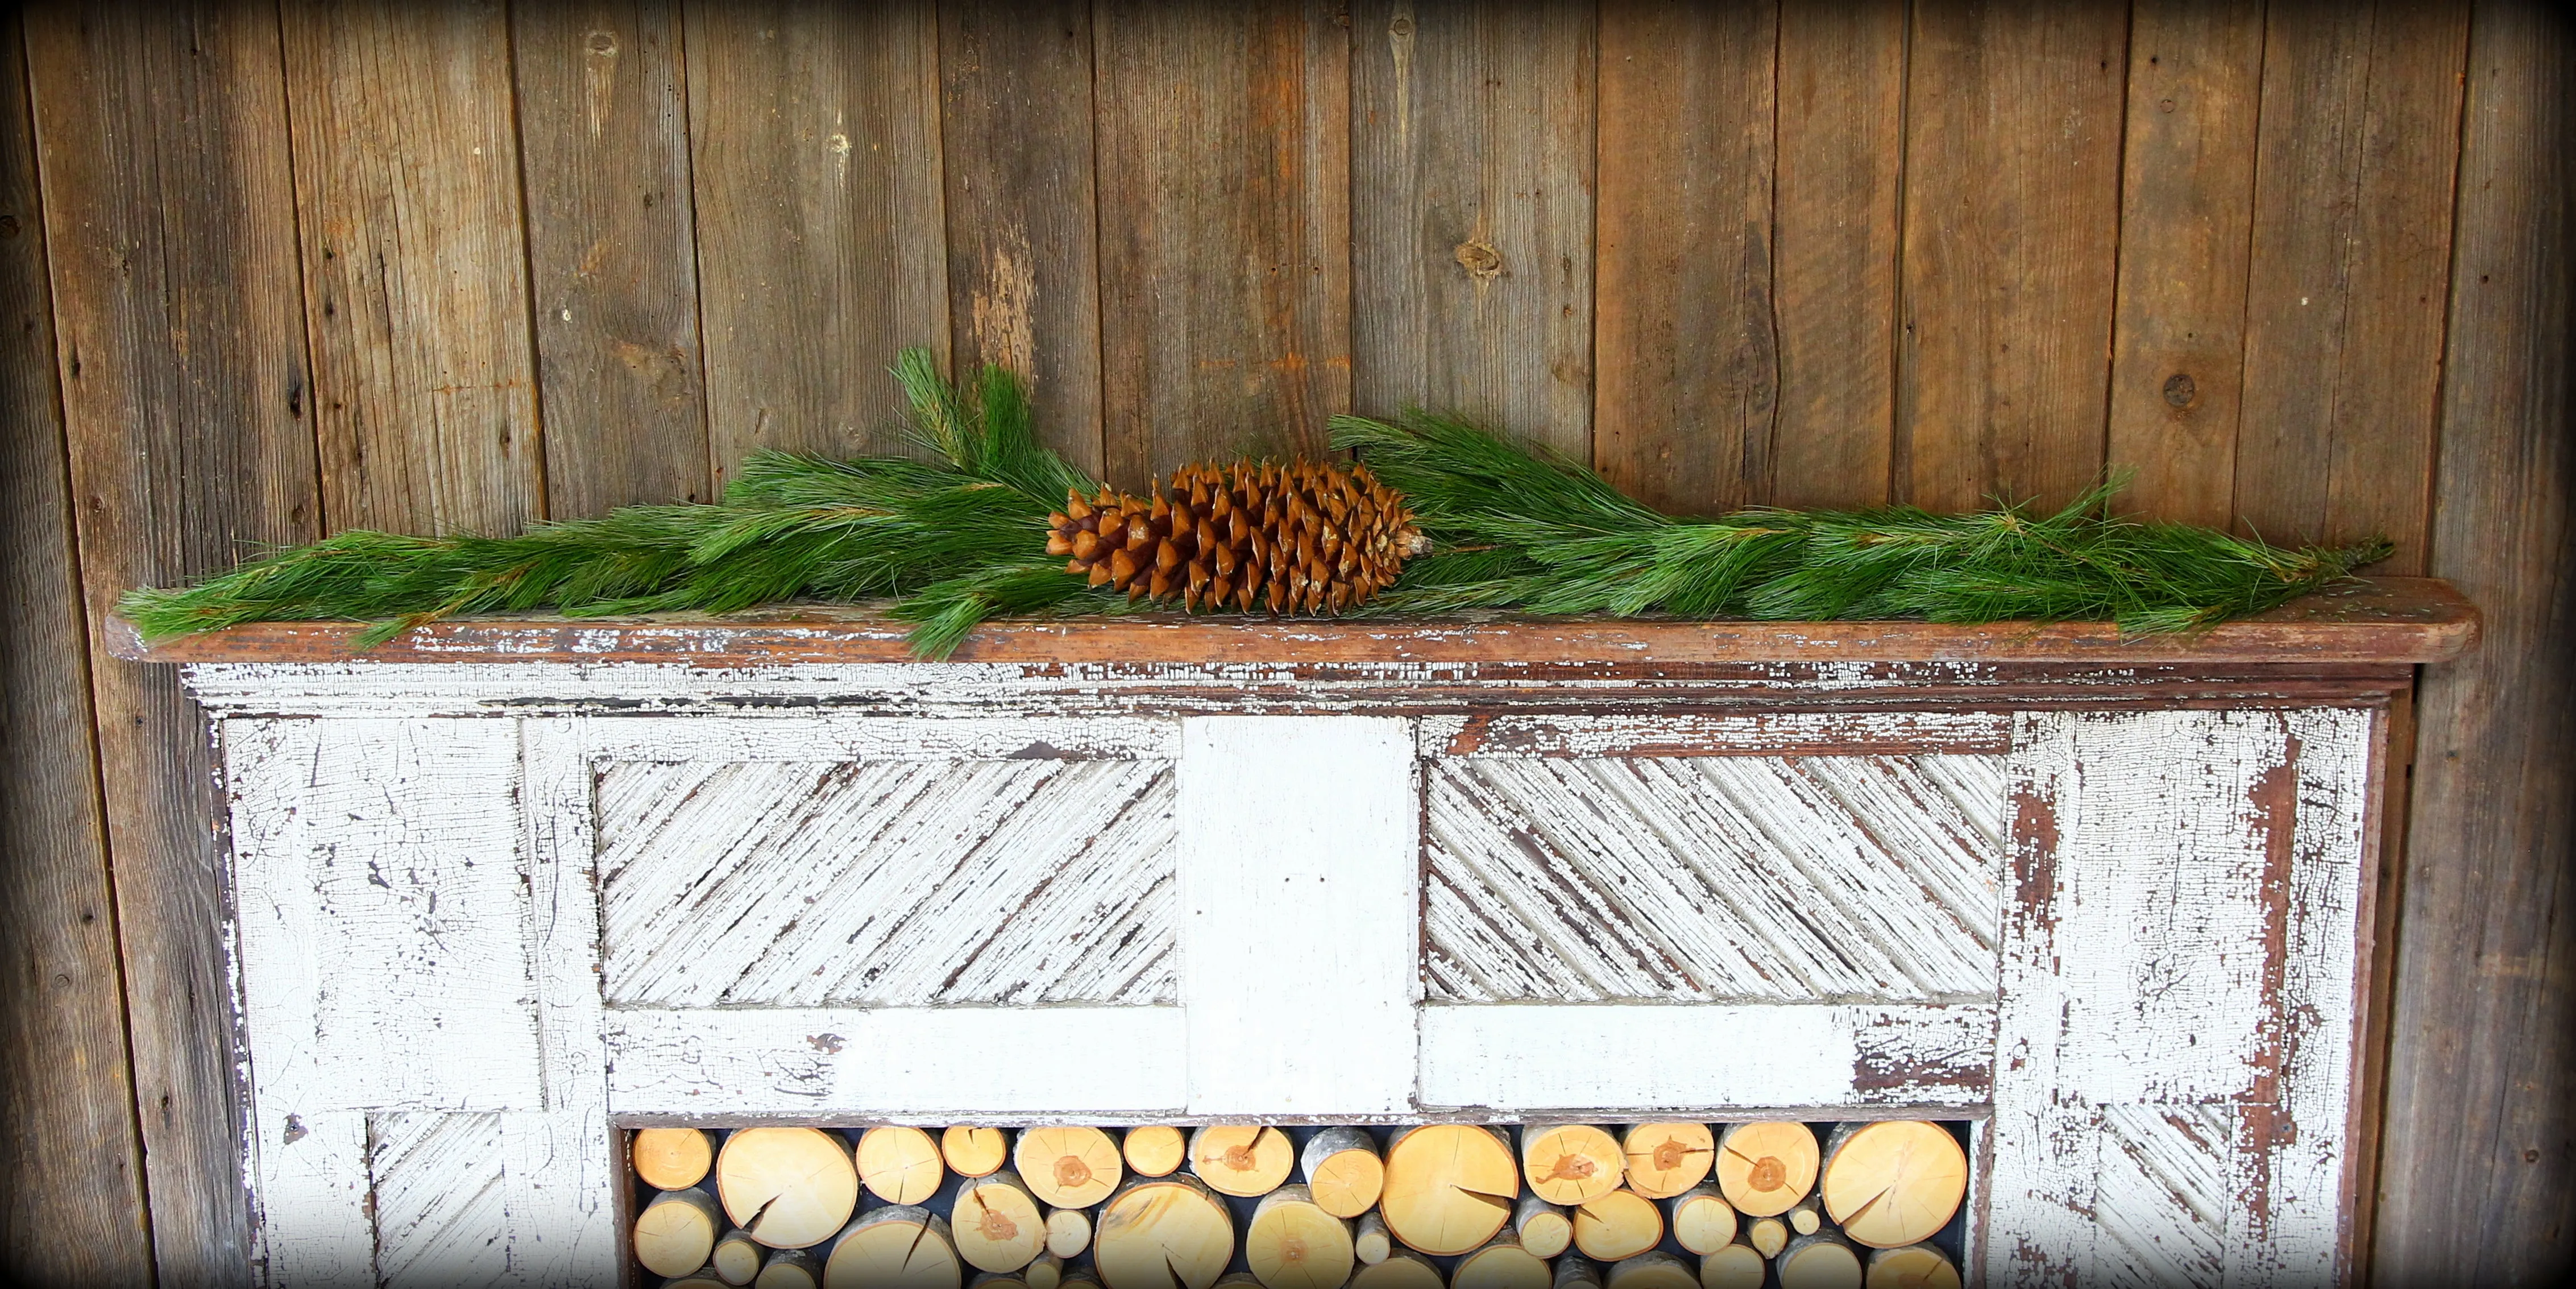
pixel 1523 529
pixel 961 539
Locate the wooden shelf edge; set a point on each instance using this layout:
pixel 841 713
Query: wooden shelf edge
pixel 2374 620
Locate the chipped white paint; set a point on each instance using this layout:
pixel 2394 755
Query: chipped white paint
pixel 653 892
pixel 826 1062
pixel 1713 878
pixel 1031 881
pixel 309 1188
pixel 383 917
pixel 2185 936
pixel 1300 879
pixel 1706 1057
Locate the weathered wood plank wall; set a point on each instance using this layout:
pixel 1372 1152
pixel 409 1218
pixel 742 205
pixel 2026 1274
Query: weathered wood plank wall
pixel 278 271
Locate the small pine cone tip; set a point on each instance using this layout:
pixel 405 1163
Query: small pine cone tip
pixel 1303 538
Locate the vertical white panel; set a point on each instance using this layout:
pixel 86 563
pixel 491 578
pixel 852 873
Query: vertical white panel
pixel 1301 911
pixel 309 1172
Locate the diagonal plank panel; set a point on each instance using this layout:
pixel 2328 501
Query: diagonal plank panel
pixel 439 1198
pixel 801 884
pixel 1712 878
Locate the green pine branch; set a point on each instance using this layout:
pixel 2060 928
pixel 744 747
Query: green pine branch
pixel 958 541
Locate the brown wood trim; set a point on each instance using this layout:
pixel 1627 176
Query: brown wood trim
pixel 2383 620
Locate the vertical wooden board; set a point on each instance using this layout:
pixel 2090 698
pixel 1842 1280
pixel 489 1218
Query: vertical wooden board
pixel 1471 214
pixel 2012 209
pixel 1023 226
pixel 184 383
pixel 383 915
pixel 2484 1013
pixel 415 272
pixel 2186 213
pixel 1836 201
pixel 75 1212
pixel 612 255
pixel 560 1170
pixel 1301 906
pixel 2350 265
pixel 1686 345
pixel 315 1223
pixel 821 239
pixel 1224 151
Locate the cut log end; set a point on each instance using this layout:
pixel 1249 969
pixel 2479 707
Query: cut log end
pixel 1068 1166
pixel 1344 1170
pixel 1571 1163
pixel 672 1159
pixel 737 1258
pixel 1545 1229
pixel 1163 1233
pixel 1703 1222
pixel 1767 1235
pixel 1653 1269
pixel 1402 1269
pixel 788 1187
pixel 1893 1183
pixel 1502 1263
pixel 1156 1150
pixel 1737 1266
pixel 1618 1226
pixel 901 1246
pixel 1449 1187
pixel 1819 1262
pixel 790 1269
pixel 996 1223
pixel 1292 1243
pixel 1662 1160
pixel 973 1151
pixel 900 1165
pixel 1916 1266
pixel 676 1232
pixel 1369 1241
pixel 1764 1169
pixel 1046 1272
pixel 1068 1232
pixel 1241 1159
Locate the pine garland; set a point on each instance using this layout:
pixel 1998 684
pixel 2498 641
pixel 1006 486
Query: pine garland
pixel 962 540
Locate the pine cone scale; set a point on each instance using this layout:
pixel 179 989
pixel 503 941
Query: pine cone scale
pixel 1309 537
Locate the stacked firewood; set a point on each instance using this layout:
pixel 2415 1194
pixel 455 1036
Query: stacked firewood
pixel 1657 1205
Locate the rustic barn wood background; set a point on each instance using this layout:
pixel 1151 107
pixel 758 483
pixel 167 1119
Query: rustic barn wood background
pixel 277 270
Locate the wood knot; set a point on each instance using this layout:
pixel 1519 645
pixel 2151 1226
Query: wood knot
pixel 1669 1155
pixel 998 1226
pixel 603 44
pixel 1480 259
pixel 1571 1168
pixel 2180 389
pixel 1401 26
pixel 1070 1171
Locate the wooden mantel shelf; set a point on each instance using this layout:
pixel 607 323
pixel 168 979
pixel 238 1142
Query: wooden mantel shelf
pixel 2368 621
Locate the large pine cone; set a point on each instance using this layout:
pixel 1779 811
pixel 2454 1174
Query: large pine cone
pixel 1308 537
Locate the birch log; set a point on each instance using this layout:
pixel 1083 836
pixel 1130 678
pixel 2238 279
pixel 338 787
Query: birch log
pixel 1292 1243
pixel 973 1151
pixel 1343 1170
pixel 1574 1272
pixel 996 1223
pixel 1766 1168
pixel 1703 1222
pixel 1544 1228
pixel 1619 1225
pixel 1570 1163
pixel 789 1187
pixel 1501 1263
pixel 900 1246
pixel 790 1269
pixel 672 1159
pixel 1819 1262
pixel 1653 1269
pixel 1803 1217
pixel 1069 1165
pixel 1767 1235
pixel 1242 1159
pixel 1068 1232
pixel 1046 1272
pixel 737 1257
pixel 1662 1160
pixel 1402 1269
pixel 1449 1187
pixel 702 1278
pixel 676 1231
pixel 1156 1150
pixel 1737 1266
pixel 998 1280
pixel 900 1165
pixel 1893 1183
pixel 1916 1266
pixel 1163 1233
pixel 1369 1241
pixel 1080 1278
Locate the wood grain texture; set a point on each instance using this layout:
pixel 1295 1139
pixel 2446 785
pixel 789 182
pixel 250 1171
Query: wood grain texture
pixel 1471 214
pixel 383 914
pixel 2351 261
pixel 1703 1056
pixel 2167 1166
pixel 765 1063
pixel 1023 223
pixel 612 255
pixel 1686 345
pixel 185 394
pixel 438 1191
pixel 415 270
pixel 2186 222
pixel 1311 1014
pixel 77 1213
pixel 2479 1116
pixel 821 252
pixel 1225 293
pixel 996 882
pixel 1836 196
pixel 2012 209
